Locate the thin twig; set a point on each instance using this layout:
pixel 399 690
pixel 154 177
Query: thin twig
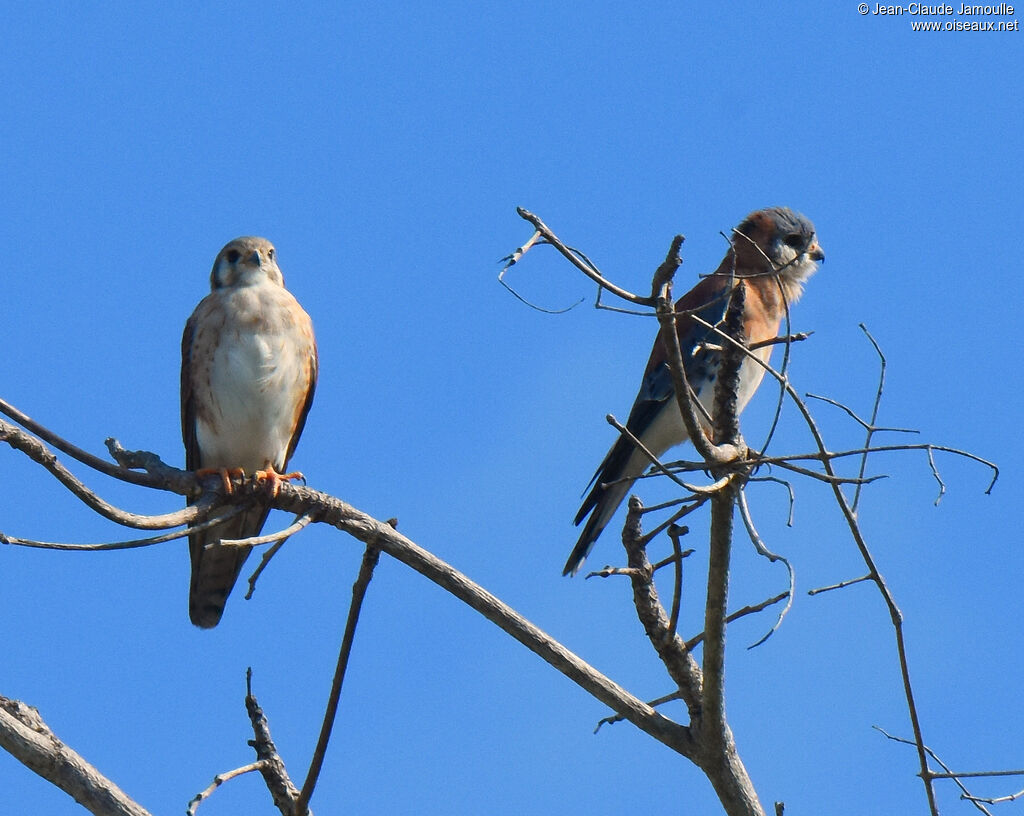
pixel 219 780
pixel 300 523
pixel 696 640
pixel 264 561
pixel 943 765
pixel 228 513
pixel 968 774
pixel 697 489
pixel 615 718
pixel 938 478
pixel 586 268
pixel 874 416
pixel 841 584
pixel 763 550
pixel 977 800
pixel 823 477
pixel 789 491
pixel 671 649
pixel 822 456
pixel 867 426
pixel 774 341
pixel 513 259
pixel 518 252
pixel 675 533
pixel 683 512
pixel 370 558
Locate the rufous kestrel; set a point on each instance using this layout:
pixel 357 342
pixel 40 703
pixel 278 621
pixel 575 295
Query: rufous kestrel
pixel 772 253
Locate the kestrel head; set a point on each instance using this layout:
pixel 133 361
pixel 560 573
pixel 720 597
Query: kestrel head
pixel 778 241
pixel 246 261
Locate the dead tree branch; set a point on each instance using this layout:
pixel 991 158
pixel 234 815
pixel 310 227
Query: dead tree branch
pixel 726 456
pixel 366 568
pixel 270 765
pixel 326 509
pixel 25 736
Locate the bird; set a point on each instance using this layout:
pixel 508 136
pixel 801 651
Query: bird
pixel 772 253
pixel 249 368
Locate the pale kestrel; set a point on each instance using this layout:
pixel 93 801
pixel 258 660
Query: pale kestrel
pixel 248 371
pixel 774 251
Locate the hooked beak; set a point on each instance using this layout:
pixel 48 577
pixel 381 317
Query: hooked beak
pixel 815 252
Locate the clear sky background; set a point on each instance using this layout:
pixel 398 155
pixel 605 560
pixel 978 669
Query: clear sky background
pixel 383 148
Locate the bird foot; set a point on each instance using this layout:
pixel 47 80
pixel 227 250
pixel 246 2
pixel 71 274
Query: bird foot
pixel 273 480
pixel 226 475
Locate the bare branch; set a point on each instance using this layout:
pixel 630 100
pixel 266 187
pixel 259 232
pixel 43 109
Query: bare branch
pixel 938 478
pixel 969 774
pixel 25 736
pixel 587 268
pixel 774 341
pixel 821 456
pixel 256 573
pixel 697 489
pixel 681 666
pixel 977 800
pixel 39 453
pixel 207 503
pixel 683 512
pixel 513 259
pixel 300 523
pixel 894 613
pixel 219 780
pixel 369 563
pixel 789 491
pixel 298 499
pixel 696 640
pixel 874 416
pixel 763 551
pixel 943 765
pixel 681 385
pixel 517 254
pixel 862 422
pixel 823 477
pixel 716 755
pixel 75 452
pixel 713 723
pixel 615 718
pixel 841 584
pixel 714 729
pixel 271 766
pixel 666 272
pixel 676 532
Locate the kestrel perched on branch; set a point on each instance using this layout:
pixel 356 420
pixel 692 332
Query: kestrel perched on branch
pixel 773 252
pixel 248 371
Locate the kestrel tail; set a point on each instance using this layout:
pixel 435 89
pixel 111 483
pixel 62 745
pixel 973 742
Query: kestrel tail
pixel 248 372
pixel 773 252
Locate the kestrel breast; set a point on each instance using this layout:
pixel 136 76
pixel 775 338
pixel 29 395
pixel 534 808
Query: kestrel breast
pixel 259 374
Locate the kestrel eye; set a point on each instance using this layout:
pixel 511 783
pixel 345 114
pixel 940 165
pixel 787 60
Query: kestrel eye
pixel 233 255
pixel 795 240
pixel 270 253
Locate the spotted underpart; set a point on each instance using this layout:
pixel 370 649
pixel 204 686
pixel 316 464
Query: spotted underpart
pixel 248 372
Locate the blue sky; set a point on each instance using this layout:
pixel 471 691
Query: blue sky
pixel 384 148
